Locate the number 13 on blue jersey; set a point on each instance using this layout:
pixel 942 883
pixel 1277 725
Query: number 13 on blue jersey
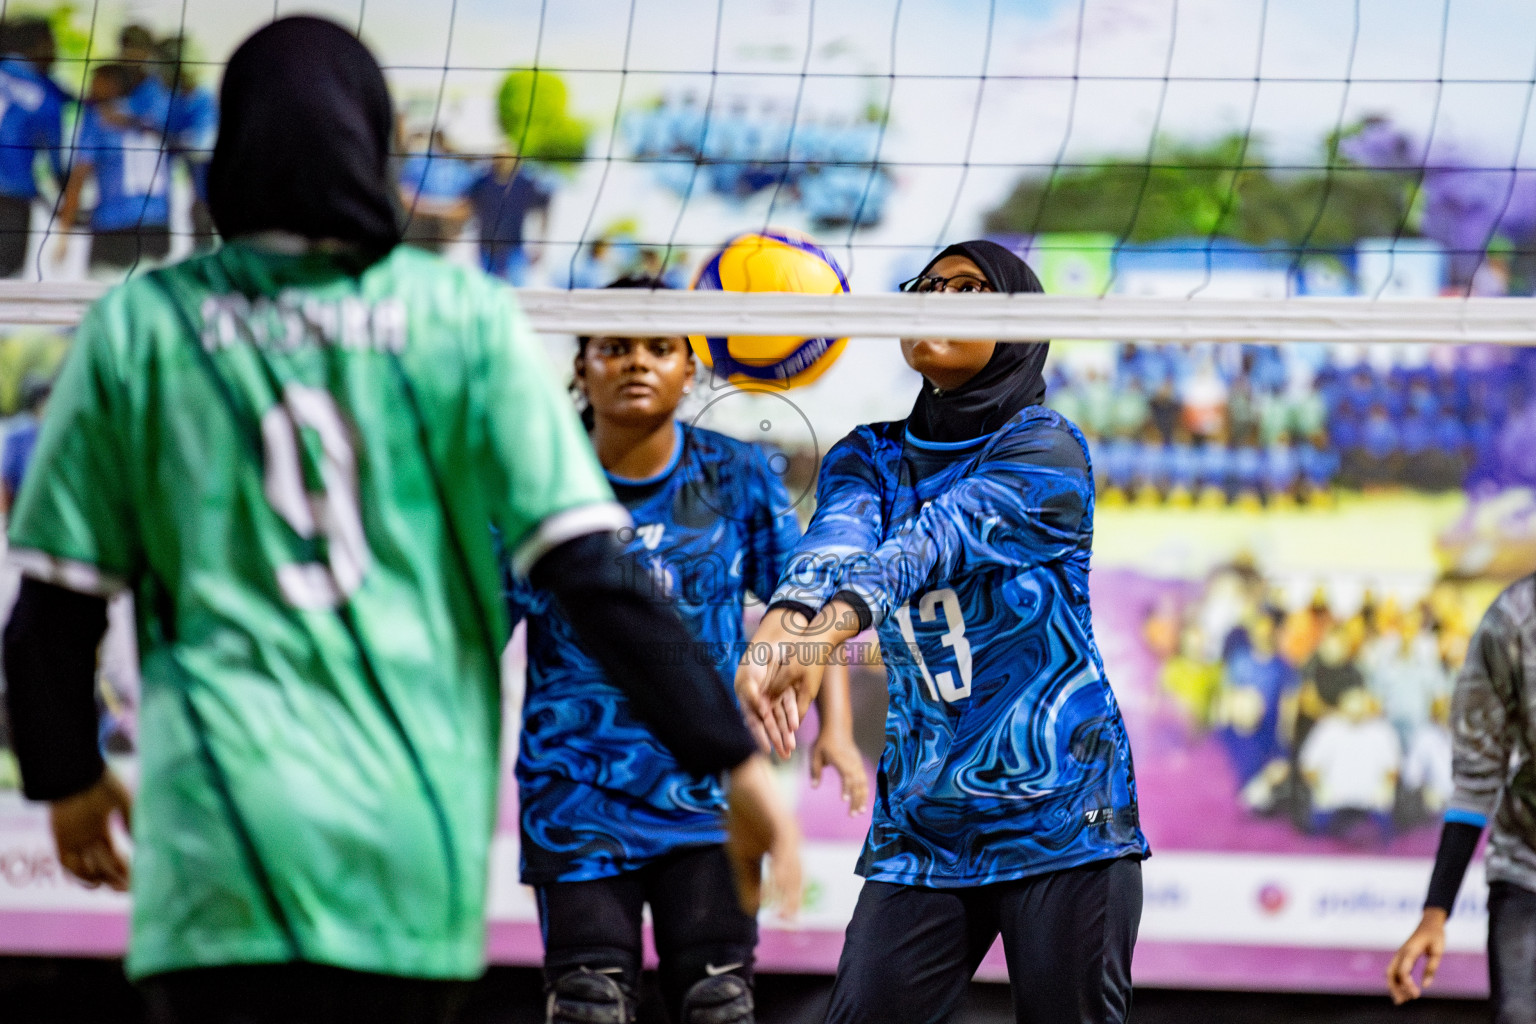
pixel 942 685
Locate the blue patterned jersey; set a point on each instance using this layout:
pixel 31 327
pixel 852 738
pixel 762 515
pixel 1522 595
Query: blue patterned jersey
pixel 598 792
pixel 1005 752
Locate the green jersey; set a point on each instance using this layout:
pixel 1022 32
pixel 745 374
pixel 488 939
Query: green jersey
pixel 296 471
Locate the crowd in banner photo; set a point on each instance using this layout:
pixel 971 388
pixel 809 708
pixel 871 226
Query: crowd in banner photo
pixel 1278 425
pixel 824 170
pixel 98 152
pixel 1264 424
pixel 828 167
pixel 1336 721
pixel 137 116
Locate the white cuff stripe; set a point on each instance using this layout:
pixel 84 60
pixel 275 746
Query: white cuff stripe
pixel 81 577
pixel 601 517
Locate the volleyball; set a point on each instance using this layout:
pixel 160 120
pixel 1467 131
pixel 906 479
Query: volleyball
pixel 770 261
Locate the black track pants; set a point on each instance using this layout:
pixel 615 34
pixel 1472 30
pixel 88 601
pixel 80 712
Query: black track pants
pixel 700 929
pixel 1068 936
pixel 1512 953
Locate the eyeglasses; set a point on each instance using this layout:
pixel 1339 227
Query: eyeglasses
pixel 963 283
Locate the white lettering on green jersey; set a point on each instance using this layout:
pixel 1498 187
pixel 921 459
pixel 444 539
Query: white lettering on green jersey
pixel 295 319
pixel 296 470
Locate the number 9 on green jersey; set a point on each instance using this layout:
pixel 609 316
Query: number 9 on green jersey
pixel 295 468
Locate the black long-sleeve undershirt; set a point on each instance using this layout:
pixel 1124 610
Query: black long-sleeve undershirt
pixel 50 693
pixel 1458 841
pixel 52 639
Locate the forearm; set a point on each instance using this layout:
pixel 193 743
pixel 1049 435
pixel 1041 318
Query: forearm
pixel 1002 518
pixel 834 706
pixel 680 699
pixel 833 623
pixel 790 634
pixel 848 525
pixel 50 672
pixel 56 168
pixel 69 210
pixel 1458 841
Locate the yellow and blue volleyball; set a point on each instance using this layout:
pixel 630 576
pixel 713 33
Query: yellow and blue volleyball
pixel 770 261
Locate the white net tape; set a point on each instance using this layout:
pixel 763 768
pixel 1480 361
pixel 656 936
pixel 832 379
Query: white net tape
pixel 624 312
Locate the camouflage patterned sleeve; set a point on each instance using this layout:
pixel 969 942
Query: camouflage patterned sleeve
pixel 1484 716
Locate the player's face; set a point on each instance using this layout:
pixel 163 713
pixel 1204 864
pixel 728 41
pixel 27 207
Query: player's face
pixel 949 364
pixel 104 88
pixel 504 167
pixel 635 380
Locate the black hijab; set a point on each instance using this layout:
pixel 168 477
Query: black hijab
pixel 305 124
pixel 1012 379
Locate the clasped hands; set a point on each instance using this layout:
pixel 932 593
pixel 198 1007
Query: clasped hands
pixel 780 674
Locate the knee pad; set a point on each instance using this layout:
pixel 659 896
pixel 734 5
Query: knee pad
pixel 721 999
pixel 585 996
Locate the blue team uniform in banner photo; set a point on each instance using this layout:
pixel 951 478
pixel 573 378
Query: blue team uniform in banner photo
pixel 192 128
pixel 436 176
pixel 132 169
pixel 1005 752
pixel 31 116
pixel 599 794
pixel 501 207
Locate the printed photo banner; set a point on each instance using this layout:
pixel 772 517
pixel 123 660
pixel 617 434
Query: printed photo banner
pixel 1236 895
pixel 1293 544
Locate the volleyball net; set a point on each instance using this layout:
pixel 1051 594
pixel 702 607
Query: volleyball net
pixel 1152 149
pixel 1021 318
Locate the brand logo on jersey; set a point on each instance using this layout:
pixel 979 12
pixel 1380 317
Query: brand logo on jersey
pixel 650 534
pixel 1099 816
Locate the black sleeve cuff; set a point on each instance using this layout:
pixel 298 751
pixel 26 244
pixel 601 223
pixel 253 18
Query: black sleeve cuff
pixel 853 600
pixel 50 688
pixel 859 605
pixel 1458 841
pixel 795 606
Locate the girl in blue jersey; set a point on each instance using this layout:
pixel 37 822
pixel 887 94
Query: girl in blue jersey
pixel 610 819
pixel 1006 801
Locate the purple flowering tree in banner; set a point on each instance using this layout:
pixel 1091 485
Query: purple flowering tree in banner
pixel 1482 213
